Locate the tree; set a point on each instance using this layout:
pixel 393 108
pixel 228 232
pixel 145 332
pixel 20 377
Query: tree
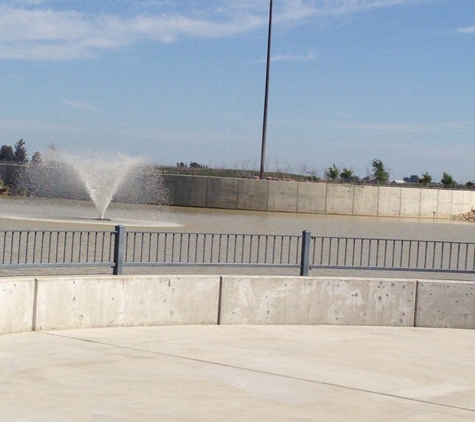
pixel 36 159
pixel 426 178
pixel 6 153
pixel 447 179
pixel 20 152
pixel 332 173
pixel 346 175
pixel 380 173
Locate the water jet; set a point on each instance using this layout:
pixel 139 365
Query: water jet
pixel 98 176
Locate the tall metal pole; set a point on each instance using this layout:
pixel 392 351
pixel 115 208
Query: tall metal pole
pixel 266 95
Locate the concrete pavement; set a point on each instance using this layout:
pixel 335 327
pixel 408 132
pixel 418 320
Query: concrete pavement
pixel 238 373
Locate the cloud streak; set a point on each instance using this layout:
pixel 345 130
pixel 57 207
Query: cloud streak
pixel 410 127
pixel 294 57
pixel 42 29
pixel 467 30
pixel 78 105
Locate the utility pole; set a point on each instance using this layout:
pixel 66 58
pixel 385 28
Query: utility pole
pixel 266 95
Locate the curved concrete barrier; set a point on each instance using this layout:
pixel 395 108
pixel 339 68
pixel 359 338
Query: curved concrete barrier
pixel 53 303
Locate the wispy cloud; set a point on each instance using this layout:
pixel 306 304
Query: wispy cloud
pixel 409 127
pixel 47 29
pixel 78 105
pixel 290 57
pixel 294 57
pixel 467 30
pixel 401 128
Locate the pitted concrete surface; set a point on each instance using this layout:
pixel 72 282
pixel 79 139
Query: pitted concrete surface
pixel 238 373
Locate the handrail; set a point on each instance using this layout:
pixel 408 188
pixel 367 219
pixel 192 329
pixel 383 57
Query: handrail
pixel 120 248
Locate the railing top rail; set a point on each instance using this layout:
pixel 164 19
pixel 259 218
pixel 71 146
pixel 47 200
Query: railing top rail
pixel 213 233
pixel 394 269
pixel 180 233
pixel 394 239
pixel 57 231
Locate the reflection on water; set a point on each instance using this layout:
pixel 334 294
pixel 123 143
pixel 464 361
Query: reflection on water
pixel 43 214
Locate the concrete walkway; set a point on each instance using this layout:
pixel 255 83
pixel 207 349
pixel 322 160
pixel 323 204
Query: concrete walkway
pixel 238 373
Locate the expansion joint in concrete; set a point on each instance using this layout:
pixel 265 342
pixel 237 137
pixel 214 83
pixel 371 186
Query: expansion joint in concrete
pixel 220 295
pixel 416 304
pixel 35 305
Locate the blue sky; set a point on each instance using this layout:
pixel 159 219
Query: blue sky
pixel 183 80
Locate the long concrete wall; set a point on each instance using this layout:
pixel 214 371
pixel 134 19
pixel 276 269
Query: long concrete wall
pixel 317 198
pixel 52 303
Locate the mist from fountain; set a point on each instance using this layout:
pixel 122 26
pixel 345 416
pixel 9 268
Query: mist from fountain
pixel 102 177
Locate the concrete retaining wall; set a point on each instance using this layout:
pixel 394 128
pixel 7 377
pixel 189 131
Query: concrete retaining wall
pixel 82 302
pixel 317 198
pixel 51 303
pixel 16 305
pixel 446 304
pixel 322 301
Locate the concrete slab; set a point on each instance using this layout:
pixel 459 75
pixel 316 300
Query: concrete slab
pixel 389 201
pixel 472 199
pixel 312 197
pixel 429 203
pixel 79 302
pixel 365 200
pixel 410 202
pixel 467 201
pixel 339 199
pixel 444 203
pixel 282 196
pixel 239 373
pixel 458 203
pixel 16 299
pixel 252 195
pixel 222 192
pixel 307 300
pixel 169 183
pixel 446 304
pixel 190 191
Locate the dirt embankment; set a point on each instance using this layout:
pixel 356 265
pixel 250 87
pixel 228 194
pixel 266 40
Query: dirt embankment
pixel 467 216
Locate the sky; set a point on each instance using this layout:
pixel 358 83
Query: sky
pixel 184 80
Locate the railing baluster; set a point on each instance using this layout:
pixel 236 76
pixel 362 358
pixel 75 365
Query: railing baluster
pixel 189 246
pixel 377 253
pixel 227 247
pixel 26 248
pixel 458 256
pixel 369 252
pixel 12 247
pixel 204 241
pixel 450 254
pixel 337 251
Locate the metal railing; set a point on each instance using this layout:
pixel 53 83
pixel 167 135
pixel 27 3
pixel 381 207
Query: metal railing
pixel 35 248
pixel 392 254
pixel 180 249
pixel 118 249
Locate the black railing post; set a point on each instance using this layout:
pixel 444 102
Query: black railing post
pixel 305 257
pixel 119 250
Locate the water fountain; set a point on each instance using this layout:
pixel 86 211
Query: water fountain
pixel 102 179
pixel 98 176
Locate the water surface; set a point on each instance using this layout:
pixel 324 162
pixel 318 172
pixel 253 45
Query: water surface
pixel 42 214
